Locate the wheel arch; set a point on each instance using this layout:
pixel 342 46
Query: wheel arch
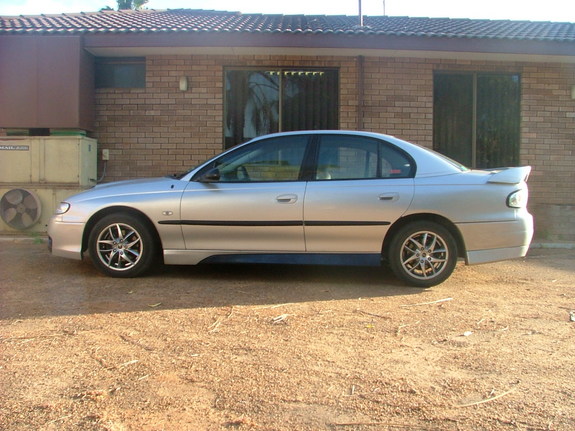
pixel 446 223
pixel 117 209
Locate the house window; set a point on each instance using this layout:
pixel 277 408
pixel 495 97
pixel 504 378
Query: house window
pixel 258 102
pixel 476 118
pixel 121 72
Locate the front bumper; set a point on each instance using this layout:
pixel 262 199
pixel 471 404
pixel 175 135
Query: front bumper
pixel 65 239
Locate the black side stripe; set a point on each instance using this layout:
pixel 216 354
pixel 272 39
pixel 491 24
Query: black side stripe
pixel 256 223
pixel 346 223
pixel 231 223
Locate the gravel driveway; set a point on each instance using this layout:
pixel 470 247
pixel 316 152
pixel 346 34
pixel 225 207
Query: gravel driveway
pixel 285 347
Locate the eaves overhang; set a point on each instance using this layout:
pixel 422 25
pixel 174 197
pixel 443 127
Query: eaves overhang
pixel 114 45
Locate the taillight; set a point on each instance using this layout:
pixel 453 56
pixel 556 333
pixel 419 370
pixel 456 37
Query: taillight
pixel 518 199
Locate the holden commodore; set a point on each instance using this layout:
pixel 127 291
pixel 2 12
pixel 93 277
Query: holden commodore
pixel 313 197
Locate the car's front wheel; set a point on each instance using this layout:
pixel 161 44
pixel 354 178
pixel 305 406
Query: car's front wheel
pixel 422 254
pixel 121 245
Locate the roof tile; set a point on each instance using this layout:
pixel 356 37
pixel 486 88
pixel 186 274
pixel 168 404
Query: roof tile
pixel 194 21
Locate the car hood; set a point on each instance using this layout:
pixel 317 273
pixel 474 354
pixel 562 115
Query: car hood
pixel 125 188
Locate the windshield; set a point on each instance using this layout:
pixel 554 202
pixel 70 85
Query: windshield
pixel 452 162
pixel 455 163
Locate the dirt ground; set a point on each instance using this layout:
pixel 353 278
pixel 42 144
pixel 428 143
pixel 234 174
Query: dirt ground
pixel 285 348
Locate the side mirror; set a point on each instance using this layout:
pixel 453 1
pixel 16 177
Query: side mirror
pixel 212 176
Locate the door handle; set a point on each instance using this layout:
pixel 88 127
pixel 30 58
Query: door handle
pixel 389 197
pixel 286 199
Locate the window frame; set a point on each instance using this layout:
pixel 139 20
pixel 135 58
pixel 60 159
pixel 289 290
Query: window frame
pixel 106 67
pixel 474 145
pixel 280 71
pixel 241 150
pixel 309 162
pixel 381 144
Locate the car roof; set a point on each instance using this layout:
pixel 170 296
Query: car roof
pixel 428 162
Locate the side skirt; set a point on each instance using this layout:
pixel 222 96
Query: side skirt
pixel 182 257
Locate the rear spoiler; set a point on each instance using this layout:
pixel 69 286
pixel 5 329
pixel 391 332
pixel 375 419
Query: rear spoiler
pixel 510 175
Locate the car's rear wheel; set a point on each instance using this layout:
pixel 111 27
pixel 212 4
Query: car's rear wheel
pixel 121 245
pixel 422 254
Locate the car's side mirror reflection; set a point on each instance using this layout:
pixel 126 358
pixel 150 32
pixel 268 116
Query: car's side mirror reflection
pixel 212 176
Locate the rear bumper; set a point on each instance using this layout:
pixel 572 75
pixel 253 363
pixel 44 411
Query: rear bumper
pixel 494 241
pixel 65 239
pixel 493 255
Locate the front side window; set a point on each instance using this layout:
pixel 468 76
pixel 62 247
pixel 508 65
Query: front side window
pixel 355 157
pixel 258 102
pixel 476 118
pixel 275 159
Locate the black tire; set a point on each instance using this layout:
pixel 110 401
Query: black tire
pixel 122 245
pixel 422 254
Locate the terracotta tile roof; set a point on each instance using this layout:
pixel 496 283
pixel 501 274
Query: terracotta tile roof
pixel 197 21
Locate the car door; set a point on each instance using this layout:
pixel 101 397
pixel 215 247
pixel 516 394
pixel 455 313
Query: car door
pixel 360 186
pixel 250 200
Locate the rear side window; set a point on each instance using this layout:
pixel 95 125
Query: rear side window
pixel 348 157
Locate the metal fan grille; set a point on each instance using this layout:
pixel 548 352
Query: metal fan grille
pixel 20 208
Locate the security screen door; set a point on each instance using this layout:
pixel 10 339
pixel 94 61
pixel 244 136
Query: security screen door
pixel 476 118
pixel 258 102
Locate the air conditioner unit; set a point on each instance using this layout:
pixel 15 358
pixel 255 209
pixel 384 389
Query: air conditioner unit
pixel 36 173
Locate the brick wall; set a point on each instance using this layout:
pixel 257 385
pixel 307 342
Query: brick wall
pixel 548 144
pixel 399 98
pixel 159 129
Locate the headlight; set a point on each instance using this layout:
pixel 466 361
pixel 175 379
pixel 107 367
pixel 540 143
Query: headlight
pixel 62 208
pixel 517 199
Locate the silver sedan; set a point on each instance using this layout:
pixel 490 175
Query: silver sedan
pixel 321 197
